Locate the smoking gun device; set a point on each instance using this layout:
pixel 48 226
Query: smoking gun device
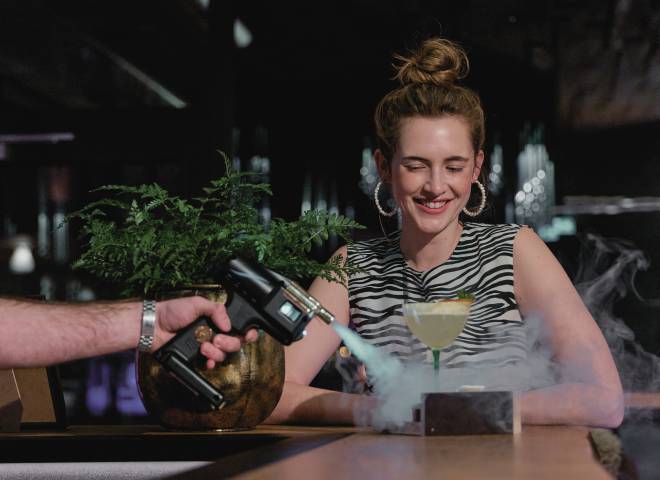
pixel 256 298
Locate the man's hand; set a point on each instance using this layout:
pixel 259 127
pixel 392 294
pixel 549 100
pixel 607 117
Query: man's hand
pixel 173 315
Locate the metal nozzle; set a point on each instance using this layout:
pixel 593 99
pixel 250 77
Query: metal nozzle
pixel 311 305
pixel 324 315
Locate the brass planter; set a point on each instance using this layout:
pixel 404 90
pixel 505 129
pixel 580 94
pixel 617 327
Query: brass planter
pixel 251 381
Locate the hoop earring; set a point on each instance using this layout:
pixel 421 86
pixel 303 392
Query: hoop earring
pixel 482 204
pixel 378 205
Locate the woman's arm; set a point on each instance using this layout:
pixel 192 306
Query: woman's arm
pixel 590 389
pixel 301 403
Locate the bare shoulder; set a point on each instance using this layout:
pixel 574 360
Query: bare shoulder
pixel 333 294
pixel 339 257
pixel 531 253
pixel 341 252
pixel 538 276
pixel 528 242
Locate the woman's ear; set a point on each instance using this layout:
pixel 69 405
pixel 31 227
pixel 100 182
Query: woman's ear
pixel 383 166
pixel 478 163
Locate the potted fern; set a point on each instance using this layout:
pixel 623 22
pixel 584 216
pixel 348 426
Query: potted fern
pixel 151 243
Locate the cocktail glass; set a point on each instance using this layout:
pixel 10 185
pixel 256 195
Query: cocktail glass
pixel 437 324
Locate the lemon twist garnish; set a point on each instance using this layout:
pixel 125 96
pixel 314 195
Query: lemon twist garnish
pixel 452 307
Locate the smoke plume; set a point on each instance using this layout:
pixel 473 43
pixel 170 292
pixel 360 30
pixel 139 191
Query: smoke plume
pixel 606 275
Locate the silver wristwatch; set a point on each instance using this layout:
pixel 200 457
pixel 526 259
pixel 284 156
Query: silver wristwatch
pixel 148 326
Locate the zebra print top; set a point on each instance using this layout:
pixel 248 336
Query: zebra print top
pixel 481 264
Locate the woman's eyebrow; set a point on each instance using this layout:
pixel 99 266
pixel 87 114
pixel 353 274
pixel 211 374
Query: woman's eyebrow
pixel 457 158
pixel 453 158
pixel 416 158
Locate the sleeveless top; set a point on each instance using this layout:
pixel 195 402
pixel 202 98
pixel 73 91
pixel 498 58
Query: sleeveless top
pixel 481 264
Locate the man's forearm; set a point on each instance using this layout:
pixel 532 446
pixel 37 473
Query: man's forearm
pixel 38 333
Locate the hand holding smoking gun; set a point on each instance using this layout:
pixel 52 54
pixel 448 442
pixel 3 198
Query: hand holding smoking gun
pixel 173 315
pixel 257 298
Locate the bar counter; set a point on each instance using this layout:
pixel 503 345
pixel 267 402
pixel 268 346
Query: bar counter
pixel 295 452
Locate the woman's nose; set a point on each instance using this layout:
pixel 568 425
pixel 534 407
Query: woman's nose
pixel 436 183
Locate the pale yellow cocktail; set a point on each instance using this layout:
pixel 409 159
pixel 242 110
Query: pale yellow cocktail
pixel 437 324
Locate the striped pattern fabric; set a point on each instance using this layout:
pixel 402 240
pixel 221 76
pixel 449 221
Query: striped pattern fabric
pixel 481 264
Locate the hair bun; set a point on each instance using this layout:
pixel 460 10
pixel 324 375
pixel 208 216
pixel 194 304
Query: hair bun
pixel 437 61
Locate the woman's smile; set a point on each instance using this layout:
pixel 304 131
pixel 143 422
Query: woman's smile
pixel 432 207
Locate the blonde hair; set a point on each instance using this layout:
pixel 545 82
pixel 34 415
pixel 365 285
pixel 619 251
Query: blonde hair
pixel 428 88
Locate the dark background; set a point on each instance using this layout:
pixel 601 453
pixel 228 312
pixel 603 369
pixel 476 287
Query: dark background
pixel 302 93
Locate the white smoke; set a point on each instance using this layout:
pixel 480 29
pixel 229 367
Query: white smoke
pixel 604 279
pixel 606 274
pixel 399 386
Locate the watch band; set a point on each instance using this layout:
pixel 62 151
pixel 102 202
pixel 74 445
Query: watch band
pixel 148 326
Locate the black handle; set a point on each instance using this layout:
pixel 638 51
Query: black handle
pixel 242 315
pixel 180 355
pixel 198 385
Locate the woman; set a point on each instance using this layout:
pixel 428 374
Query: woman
pixel 431 135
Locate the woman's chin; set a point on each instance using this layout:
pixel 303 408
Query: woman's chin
pixel 431 227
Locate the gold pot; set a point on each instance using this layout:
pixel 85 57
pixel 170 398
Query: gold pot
pixel 251 381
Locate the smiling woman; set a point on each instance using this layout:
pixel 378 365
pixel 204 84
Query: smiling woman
pixel 431 135
pixel 431 174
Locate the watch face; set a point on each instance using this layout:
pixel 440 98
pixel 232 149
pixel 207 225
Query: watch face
pixel 203 333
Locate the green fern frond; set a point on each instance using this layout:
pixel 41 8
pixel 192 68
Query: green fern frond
pixel 145 239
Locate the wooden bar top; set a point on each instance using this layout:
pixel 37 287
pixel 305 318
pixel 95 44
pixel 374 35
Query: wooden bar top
pixel 338 452
pixel 538 452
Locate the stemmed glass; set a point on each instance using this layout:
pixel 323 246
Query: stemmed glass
pixel 437 324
